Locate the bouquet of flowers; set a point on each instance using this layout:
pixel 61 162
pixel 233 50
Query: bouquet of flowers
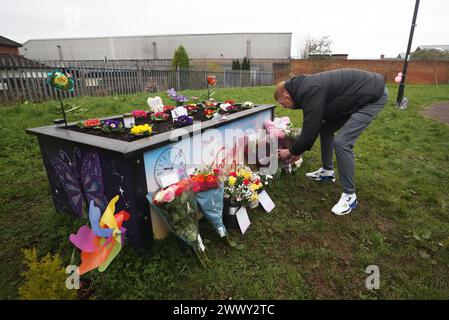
pixel 159 116
pixel 110 126
pixel 178 98
pixel 176 205
pixel 142 130
pixel 281 129
pixel 139 114
pixel 242 187
pixel 209 195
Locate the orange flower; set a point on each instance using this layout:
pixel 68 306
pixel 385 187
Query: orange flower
pixel 211 80
pixel 211 179
pixel 91 123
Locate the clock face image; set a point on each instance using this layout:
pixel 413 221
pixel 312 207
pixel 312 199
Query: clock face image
pixel 171 160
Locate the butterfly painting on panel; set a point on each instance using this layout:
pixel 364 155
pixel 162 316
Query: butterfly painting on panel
pixel 81 178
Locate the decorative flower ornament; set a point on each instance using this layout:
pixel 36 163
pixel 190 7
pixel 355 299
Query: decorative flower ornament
pixel 60 80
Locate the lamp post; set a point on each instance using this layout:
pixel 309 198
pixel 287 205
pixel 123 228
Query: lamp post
pixel 402 102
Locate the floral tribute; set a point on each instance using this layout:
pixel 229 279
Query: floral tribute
pixel 242 187
pixel 177 206
pixel 209 191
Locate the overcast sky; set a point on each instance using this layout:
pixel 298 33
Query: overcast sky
pixel 364 29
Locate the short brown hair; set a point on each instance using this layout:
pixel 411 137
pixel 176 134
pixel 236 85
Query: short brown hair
pixel 280 89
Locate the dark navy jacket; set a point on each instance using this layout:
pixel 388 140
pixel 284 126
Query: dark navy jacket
pixel 330 96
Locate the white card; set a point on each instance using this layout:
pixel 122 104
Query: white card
pixel 169 179
pixel 243 219
pixel 190 171
pixel 128 121
pixel 173 115
pixel 179 111
pixel 200 243
pixel 265 201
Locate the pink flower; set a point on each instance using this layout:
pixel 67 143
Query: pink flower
pixel 139 114
pixel 169 195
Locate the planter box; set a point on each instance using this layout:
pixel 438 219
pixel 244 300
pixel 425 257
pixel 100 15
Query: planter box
pixel 83 166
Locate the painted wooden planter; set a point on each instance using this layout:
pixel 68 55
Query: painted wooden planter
pixel 83 167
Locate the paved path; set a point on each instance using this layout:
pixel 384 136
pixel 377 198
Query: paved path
pixel 439 111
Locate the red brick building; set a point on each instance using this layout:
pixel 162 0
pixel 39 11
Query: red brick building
pixel 8 46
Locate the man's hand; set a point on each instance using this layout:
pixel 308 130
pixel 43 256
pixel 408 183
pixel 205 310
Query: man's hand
pixel 294 159
pixel 284 154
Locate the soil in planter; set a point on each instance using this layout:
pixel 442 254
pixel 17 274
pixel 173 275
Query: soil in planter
pixel 158 126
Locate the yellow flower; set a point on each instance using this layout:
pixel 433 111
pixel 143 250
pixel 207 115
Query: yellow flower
pixel 232 180
pixel 146 128
pixel 254 197
pixel 260 185
pixel 254 187
pixel 244 173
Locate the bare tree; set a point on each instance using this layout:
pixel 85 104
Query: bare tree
pixel 316 46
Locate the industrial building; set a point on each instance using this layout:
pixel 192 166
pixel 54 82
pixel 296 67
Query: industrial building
pixel 262 48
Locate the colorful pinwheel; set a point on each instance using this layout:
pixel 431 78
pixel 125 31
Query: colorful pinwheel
pixel 100 245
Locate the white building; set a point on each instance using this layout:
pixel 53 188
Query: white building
pixel 270 46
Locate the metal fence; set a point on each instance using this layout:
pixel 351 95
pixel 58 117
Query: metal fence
pixel 23 79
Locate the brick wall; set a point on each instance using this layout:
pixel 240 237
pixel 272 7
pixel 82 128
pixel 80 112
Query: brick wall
pixel 419 72
pixel 9 50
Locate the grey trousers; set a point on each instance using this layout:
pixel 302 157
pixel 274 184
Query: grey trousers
pixel 344 141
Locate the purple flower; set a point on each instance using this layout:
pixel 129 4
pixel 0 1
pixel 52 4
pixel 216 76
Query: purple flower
pixel 113 124
pixel 172 94
pixel 184 120
pixel 181 98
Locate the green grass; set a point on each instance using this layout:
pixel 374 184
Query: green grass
pixel 299 251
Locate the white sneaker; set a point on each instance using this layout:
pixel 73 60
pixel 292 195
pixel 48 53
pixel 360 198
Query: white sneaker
pixel 345 205
pixel 322 175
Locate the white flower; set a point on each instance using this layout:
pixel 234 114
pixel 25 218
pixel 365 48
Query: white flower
pixel 225 106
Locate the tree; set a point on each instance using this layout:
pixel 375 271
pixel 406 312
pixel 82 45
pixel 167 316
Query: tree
pixel 246 64
pixel 430 55
pixel 180 58
pixel 236 65
pixel 320 46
